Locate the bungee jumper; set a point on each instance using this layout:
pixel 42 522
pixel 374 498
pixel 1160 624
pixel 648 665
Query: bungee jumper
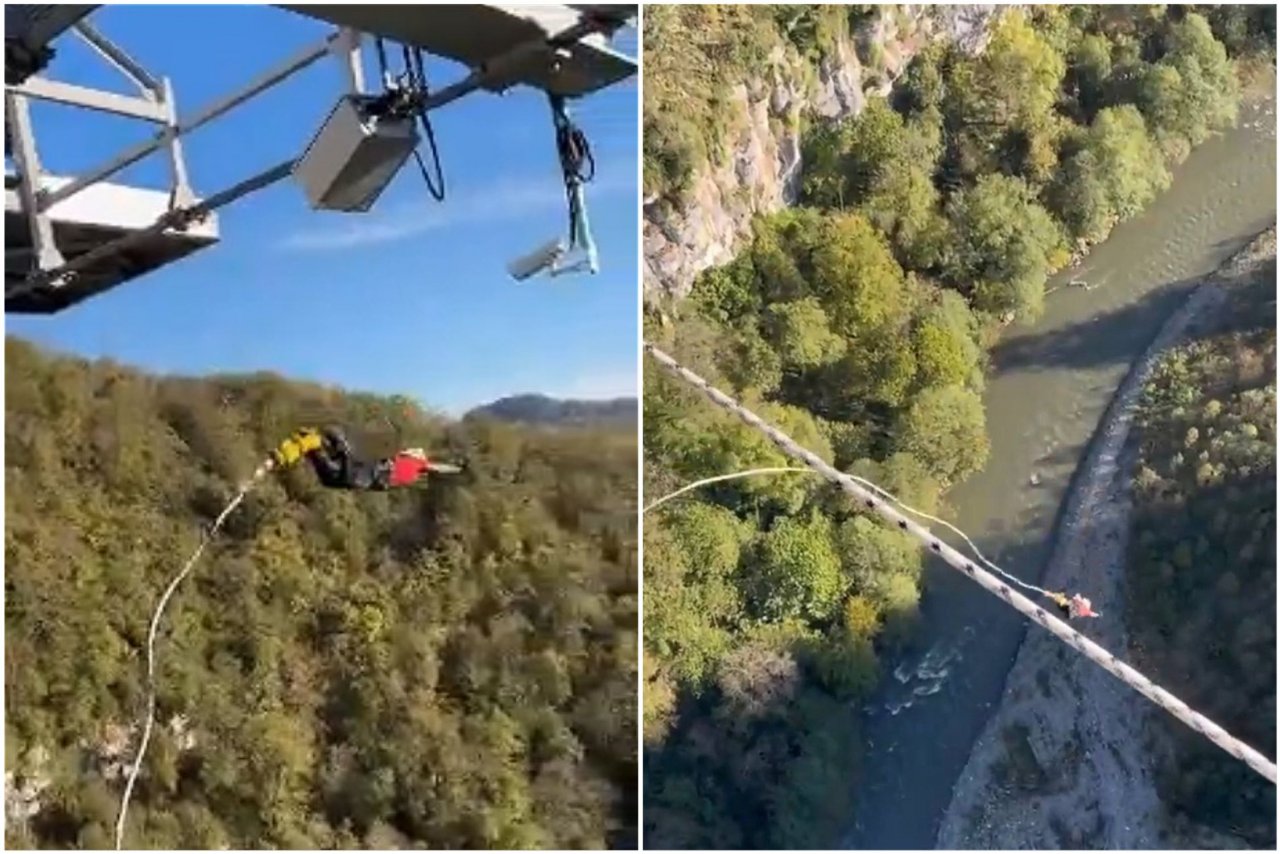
pixel 337 466
pixel 1077 607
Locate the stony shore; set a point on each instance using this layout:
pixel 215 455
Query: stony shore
pixel 1067 759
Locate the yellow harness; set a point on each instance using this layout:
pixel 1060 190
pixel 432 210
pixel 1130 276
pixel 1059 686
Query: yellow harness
pixel 297 446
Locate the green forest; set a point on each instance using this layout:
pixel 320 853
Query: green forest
pixel 449 667
pixel 858 322
pixel 1202 557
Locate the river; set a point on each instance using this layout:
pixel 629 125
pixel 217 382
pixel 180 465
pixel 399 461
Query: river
pixel 1048 388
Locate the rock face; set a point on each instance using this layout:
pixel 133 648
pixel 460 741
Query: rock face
pixel 760 173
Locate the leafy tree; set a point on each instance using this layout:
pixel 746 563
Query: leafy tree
pixel 1090 72
pixel 847 666
pixel 860 284
pixel 801 334
pixel 1244 30
pixel 796 573
pixel 923 86
pixel 1116 173
pixel 1080 199
pixel 1003 104
pixel 942 354
pixel 1005 246
pixel 1128 161
pixel 1192 91
pixel 946 430
pixel 689 602
pixel 869 551
pixel 861 617
pixel 753 363
pixel 825 181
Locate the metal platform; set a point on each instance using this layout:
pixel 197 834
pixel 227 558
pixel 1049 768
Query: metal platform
pixel 476 35
pixel 97 215
pixel 68 238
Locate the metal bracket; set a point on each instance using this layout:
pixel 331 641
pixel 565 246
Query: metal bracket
pixel 180 195
pixel 346 48
pixel 18 117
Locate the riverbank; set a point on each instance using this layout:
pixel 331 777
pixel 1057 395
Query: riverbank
pixel 1065 762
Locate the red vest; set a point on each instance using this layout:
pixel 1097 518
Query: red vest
pixel 406 469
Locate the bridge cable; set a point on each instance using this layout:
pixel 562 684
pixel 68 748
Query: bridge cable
pixel 1051 623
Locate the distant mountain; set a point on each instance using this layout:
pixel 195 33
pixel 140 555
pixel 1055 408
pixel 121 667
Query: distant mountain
pixel 542 410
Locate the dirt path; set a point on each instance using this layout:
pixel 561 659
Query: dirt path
pixel 1066 761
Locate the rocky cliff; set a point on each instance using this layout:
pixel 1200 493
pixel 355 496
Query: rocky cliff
pixel 760 170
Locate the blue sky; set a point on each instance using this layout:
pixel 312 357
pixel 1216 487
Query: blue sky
pixel 411 298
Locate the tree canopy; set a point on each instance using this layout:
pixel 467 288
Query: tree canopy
pixel 858 322
pixel 1201 573
pixel 448 667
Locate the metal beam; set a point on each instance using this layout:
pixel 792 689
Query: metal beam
pixel 18 117
pixel 115 55
pixel 500 66
pixel 176 219
pixel 203 117
pixel 619 13
pixel 44 89
pixel 347 48
pixel 475 34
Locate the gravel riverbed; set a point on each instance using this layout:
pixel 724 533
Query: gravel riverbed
pixel 1067 760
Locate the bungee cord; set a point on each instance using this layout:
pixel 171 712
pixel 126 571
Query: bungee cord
pixel 722 477
pixel 884 493
pixel 151 640
pixel 871 499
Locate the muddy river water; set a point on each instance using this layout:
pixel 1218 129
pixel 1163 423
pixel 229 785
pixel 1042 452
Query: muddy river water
pixel 1048 387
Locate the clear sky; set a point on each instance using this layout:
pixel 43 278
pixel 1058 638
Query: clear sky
pixel 411 298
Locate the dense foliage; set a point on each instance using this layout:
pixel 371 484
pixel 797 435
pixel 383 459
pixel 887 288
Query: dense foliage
pixel 858 322
pixel 451 667
pixel 1202 567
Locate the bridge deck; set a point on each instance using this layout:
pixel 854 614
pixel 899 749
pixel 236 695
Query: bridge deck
pixel 96 215
pixel 475 34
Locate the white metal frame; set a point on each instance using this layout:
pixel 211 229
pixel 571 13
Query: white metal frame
pixel 156 104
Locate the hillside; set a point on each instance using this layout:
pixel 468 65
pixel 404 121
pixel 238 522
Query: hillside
pixel 1097 763
pixel 843 214
pixel 548 411
pixel 451 667
pixel 1201 570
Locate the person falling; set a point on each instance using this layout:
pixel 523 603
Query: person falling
pixel 1077 607
pixel 338 467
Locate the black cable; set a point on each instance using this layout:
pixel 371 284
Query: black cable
pixel 576 161
pixel 382 59
pixel 436 187
pixel 574 149
pixel 404 98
